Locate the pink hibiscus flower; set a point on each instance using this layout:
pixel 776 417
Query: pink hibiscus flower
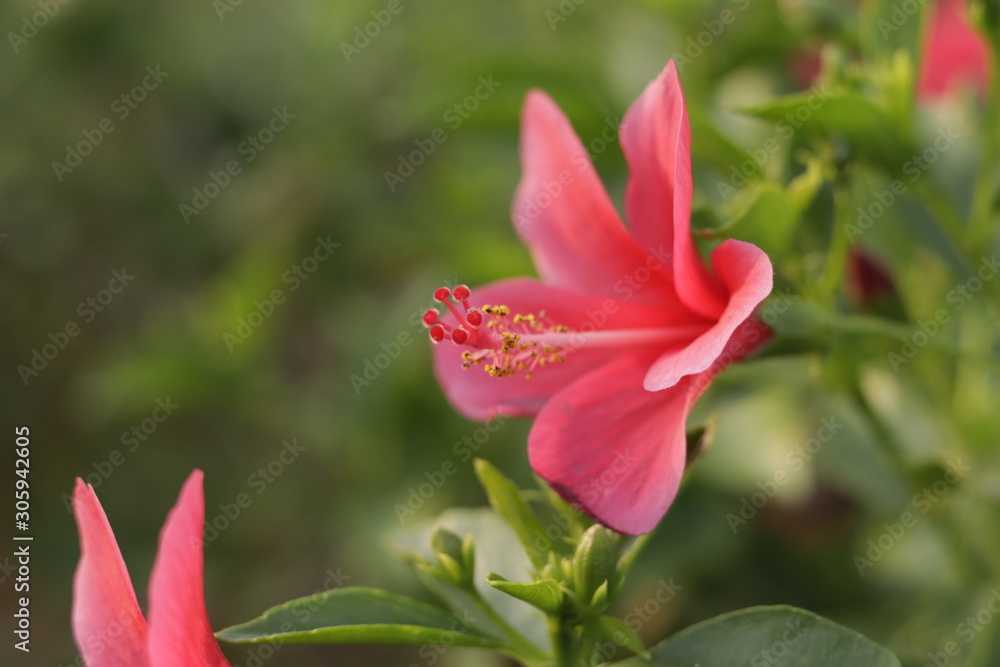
pixel 109 628
pixel 954 53
pixel 626 327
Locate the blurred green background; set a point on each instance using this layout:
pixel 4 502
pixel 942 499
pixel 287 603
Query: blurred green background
pixel 357 107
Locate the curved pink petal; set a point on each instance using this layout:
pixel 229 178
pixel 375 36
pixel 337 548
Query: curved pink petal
pixel 107 624
pixel 747 274
pixel 179 631
pixel 612 449
pixel 564 216
pixel 479 396
pixel 954 52
pixel 656 140
pixel 749 336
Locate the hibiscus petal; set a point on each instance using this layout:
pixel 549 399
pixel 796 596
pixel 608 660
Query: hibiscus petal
pixel 954 52
pixel 107 624
pixel 179 631
pixel 563 214
pixel 613 449
pixel 656 140
pixel 747 274
pixel 480 396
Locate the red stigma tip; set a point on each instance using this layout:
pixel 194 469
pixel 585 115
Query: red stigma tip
pixel 462 292
pixel 441 294
pixel 430 317
pixel 459 336
pixel 474 317
pixel 437 333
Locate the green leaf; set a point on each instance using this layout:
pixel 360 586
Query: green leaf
pixel 357 616
pixel 497 550
pixel 616 630
pixel 840 112
pixel 776 636
pixel 505 497
pixel 546 594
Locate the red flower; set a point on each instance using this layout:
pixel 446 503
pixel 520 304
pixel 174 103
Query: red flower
pixel 627 326
pixel 954 53
pixel 108 626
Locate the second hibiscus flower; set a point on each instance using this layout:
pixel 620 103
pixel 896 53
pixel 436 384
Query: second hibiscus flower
pixel 625 329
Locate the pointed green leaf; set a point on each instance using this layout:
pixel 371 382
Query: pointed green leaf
pixel 618 631
pixel 357 616
pixel 505 497
pixel 443 541
pixel 776 636
pixel 496 550
pixel 546 594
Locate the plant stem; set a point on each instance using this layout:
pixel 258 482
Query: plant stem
pixel 521 645
pixel 563 644
pixel 950 224
pixel 984 193
pixel 833 271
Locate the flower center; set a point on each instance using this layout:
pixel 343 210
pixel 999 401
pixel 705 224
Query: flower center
pixel 505 344
pixel 500 342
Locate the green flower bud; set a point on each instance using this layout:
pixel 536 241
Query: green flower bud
pixel 594 563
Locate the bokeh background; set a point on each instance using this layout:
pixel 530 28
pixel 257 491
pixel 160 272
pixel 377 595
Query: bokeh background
pixel 342 366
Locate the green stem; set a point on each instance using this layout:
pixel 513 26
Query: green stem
pixel 950 224
pixel 833 271
pixel 523 647
pixel 984 193
pixel 563 644
pixel 590 639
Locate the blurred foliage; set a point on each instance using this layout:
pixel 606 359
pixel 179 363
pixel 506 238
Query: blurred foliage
pixel 372 440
